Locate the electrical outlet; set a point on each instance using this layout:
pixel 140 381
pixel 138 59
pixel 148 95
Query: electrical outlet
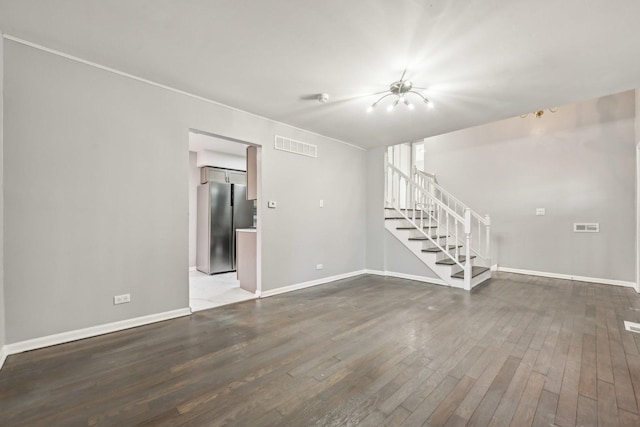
pixel 319 266
pixel 321 203
pixel 541 211
pixel 122 299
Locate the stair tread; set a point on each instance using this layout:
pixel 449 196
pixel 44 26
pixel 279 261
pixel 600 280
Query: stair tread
pixel 475 271
pixel 413 228
pixel 449 261
pixel 436 249
pixel 424 238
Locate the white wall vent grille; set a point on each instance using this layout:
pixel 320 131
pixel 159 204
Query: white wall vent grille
pixel 632 327
pixel 296 147
pixel 586 227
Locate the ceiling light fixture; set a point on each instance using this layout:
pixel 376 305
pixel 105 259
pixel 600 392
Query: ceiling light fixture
pixel 400 89
pixel 539 113
pixel 322 97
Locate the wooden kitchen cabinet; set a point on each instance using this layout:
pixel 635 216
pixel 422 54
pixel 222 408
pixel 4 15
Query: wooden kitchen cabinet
pixel 246 258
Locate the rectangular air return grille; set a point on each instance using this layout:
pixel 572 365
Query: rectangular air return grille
pixel 296 147
pixel 632 327
pixel 586 227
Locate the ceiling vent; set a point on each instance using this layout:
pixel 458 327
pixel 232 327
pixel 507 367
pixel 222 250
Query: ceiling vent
pixel 296 147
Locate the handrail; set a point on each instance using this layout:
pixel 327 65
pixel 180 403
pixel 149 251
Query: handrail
pixel 450 196
pixel 427 175
pixel 436 200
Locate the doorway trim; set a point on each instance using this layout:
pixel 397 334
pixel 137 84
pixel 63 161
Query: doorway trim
pixel 258 291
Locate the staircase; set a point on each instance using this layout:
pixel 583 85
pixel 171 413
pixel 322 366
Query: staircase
pixel 445 234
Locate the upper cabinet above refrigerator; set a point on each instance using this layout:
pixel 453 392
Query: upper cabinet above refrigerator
pixel 237 177
pixel 227 176
pixel 211 174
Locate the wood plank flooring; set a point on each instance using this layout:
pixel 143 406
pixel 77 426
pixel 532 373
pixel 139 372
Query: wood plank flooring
pixel 366 351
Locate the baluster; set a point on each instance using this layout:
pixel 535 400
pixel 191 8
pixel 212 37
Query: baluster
pixel 457 253
pixel 396 188
pixel 446 239
pixel 479 235
pixel 468 271
pixel 488 239
pixel 421 218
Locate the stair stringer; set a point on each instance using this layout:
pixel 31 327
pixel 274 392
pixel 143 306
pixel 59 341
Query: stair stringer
pixel 444 272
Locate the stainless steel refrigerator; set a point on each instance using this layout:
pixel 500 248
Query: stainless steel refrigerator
pixel 222 209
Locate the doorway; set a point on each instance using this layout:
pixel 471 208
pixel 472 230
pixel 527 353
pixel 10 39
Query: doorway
pixel 219 166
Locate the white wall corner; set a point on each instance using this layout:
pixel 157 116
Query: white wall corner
pixel 3 355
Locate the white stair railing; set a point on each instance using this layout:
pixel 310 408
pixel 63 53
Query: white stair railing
pixel 480 225
pixel 424 203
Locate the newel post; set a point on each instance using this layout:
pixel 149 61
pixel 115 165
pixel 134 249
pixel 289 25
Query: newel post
pixel 487 220
pixel 468 270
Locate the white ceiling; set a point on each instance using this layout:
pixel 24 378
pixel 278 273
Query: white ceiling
pixel 482 60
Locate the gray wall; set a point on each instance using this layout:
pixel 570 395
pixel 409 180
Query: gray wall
pixel 374 214
pixel 194 181
pixel 298 234
pixel 578 163
pixel 96 189
pixel 2 305
pixel 384 251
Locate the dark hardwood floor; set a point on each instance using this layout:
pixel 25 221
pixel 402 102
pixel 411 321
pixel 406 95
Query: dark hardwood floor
pixel 366 351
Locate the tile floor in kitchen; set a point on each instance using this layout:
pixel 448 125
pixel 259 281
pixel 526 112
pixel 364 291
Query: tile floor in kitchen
pixel 208 291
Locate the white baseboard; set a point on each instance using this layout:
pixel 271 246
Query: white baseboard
pixel 310 283
pixel 567 277
pixel 3 355
pixel 432 280
pixel 92 331
pixel 192 268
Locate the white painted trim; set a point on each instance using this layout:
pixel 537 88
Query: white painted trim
pixel 162 86
pixel 3 355
pixel 637 286
pixel 259 214
pixel 310 283
pixel 192 269
pixel 567 277
pixel 93 331
pixel 376 272
pixel 431 280
pixel 494 267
